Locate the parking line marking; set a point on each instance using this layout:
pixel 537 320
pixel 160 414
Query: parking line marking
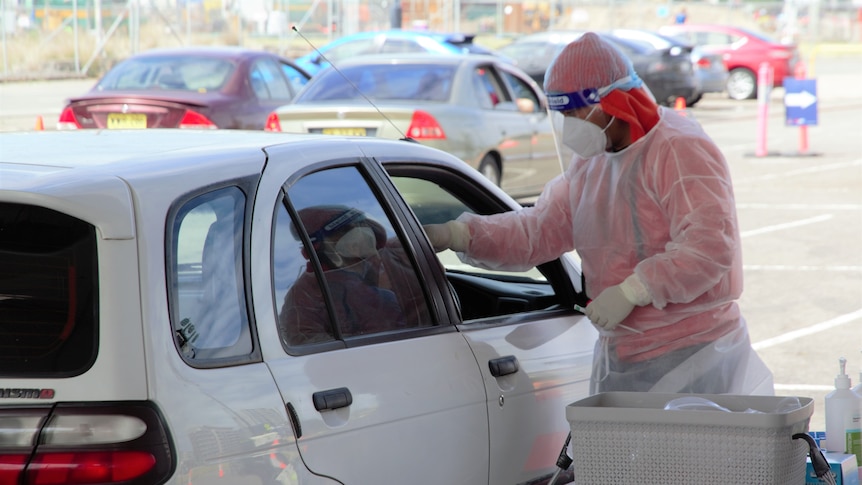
pixel 804 171
pixel 812 329
pixel 803 387
pixel 786 225
pixel 799 207
pixel 787 267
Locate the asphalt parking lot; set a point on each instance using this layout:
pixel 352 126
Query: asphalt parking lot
pixel 800 214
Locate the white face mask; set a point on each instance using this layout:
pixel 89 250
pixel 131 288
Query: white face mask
pixel 358 242
pixel 584 138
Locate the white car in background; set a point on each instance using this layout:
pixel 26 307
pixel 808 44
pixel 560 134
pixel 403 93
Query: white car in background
pixel 149 332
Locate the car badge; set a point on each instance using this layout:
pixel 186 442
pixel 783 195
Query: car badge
pixel 125 108
pixel 341 115
pixel 22 393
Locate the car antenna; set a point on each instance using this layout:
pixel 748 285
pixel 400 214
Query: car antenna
pixel 403 136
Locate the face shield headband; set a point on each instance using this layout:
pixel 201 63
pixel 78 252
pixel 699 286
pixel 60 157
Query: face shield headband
pixel 587 97
pixel 349 217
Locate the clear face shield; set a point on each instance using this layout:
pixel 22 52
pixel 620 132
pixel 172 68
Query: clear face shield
pixel 559 104
pixel 570 132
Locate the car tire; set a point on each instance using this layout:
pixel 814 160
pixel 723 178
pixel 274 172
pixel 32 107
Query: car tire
pixel 490 169
pixel 693 100
pixel 741 84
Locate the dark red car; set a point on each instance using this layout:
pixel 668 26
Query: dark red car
pixel 743 52
pixel 187 87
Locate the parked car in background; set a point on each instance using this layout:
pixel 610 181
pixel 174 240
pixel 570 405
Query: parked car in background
pixel 709 69
pixel 743 52
pixel 187 87
pixel 178 309
pixel 389 42
pixel 481 109
pixel 668 75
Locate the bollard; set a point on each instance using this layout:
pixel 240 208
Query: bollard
pixel 764 87
pixel 679 106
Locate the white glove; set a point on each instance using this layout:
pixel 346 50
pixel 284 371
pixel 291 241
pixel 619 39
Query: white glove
pixel 614 304
pixel 452 235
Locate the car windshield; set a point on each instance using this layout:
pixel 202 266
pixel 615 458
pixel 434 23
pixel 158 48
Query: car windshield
pixel 428 82
pixel 183 73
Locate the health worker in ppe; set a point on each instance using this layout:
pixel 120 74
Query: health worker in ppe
pixel 648 204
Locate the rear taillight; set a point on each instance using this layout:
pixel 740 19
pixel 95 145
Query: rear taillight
pixel 272 123
pixel 88 467
pixel 423 126
pixel 84 444
pixel 68 121
pixel 193 119
pixel 703 63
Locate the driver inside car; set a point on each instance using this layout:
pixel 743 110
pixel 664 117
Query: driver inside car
pixel 364 272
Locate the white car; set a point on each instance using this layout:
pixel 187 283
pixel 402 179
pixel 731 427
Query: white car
pixel 173 309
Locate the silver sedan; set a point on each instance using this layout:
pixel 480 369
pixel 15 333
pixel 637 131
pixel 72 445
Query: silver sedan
pixel 478 108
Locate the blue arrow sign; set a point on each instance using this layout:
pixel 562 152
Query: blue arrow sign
pixel 800 101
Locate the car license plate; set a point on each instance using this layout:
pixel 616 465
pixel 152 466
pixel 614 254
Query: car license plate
pixel 344 131
pixel 127 121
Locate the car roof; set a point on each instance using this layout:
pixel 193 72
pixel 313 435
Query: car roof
pixel 454 37
pixel 418 58
pixel 32 158
pixel 209 51
pixel 558 36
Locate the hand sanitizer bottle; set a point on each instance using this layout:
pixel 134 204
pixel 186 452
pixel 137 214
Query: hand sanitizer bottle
pixel 843 410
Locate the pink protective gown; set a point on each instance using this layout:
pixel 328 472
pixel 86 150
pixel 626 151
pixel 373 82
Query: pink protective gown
pixel 662 208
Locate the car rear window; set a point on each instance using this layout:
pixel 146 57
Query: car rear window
pixel 430 82
pixel 177 73
pixel 48 292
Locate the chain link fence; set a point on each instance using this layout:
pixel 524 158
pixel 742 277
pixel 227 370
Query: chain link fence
pixel 45 39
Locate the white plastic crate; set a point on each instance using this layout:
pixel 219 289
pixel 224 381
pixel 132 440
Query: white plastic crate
pixel 629 438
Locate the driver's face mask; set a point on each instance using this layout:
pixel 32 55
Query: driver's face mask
pixel 357 243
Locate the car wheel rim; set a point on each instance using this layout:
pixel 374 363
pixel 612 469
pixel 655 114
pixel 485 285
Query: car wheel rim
pixel 489 170
pixel 741 85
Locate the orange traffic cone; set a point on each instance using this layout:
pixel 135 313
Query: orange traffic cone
pixel 40 124
pixel 679 106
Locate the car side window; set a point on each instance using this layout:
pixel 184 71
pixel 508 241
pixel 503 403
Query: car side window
pixel 341 269
pixel 209 310
pixel 296 79
pixel 267 81
pixel 528 101
pixel 350 49
pixel 489 88
pixel 400 46
pixel 482 293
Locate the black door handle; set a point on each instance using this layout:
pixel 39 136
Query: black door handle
pixel 332 399
pixel 503 366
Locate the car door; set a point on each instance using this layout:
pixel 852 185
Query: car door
pixel 545 159
pixel 534 351
pixel 273 84
pixel 505 124
pixel 375 394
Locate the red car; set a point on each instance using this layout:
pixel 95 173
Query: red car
pixel 187 87
pixel 743 52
